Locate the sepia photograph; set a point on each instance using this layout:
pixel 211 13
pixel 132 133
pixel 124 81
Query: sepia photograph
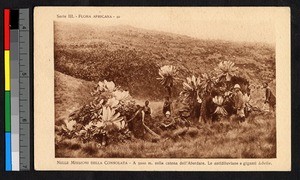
pixel 126 91
pixel 164 83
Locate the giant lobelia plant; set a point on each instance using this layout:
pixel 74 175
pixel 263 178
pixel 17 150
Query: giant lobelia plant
pixel 191 92
pixel 103 116
pixel 167 77
pixel 226 69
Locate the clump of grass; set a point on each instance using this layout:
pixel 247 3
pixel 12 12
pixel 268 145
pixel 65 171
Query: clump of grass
pixel 90 149
pixel 192 132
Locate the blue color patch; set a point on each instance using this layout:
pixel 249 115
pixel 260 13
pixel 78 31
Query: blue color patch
pixel 8 165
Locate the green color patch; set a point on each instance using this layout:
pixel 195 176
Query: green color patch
pixel 7 112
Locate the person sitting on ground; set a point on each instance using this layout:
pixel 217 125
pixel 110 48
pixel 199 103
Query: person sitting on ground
pixel 270 98
pixel 167 105
pixel 239 103
pixel 168 122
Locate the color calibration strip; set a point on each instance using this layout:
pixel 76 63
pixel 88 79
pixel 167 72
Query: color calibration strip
pixel 8 158
pixel 17 94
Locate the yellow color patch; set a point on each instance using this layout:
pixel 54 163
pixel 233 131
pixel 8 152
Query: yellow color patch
pixel 7 69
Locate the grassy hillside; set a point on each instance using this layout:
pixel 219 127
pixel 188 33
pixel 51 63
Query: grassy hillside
pixel 131 57
pixel 70 93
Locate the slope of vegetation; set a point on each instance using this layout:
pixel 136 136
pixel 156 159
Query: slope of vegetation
pixel 70 93
pixel 131 57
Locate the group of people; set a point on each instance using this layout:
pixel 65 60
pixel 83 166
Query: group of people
pixel 168 121
pixel 240 104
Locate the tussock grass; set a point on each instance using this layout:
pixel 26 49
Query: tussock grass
pixel 255 138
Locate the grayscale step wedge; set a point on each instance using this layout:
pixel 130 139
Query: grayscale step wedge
pixel 24 103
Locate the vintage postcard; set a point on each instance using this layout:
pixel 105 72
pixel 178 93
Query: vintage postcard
pixel 162 88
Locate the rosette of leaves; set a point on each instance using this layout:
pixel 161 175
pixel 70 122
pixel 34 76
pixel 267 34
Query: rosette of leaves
pixel 104 86
pixel 109 123
pixel 191 94
pixel 122 96
pixel 68 129
pixel 112 103
pixel 128 109
pixel 92 131
pixel 192 88
pixel 88 112
pixel 105 93
pixel 218 100
pixel 226 69
pixel 167 75
pixel 112 119
pixel 206 85
pixel 96 108
pixel 207 82
pixel 119 100
pixel 125 105
pixel 104 115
